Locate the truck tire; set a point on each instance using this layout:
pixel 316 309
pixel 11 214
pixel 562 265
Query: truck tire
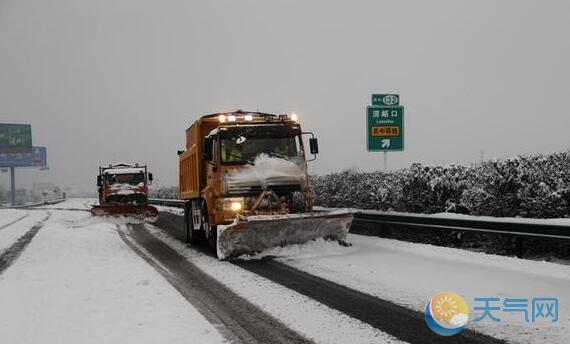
pixel 188 222
pixel 191 235
pixel 297 203
pixel 210 232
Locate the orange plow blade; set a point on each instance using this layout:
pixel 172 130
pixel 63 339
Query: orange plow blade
pixel 143 212
pixel 248 235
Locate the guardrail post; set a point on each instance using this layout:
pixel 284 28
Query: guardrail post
pixel 519 247
pixel 13 184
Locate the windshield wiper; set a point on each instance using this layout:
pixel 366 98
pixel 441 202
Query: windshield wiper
pixel 241 159
pixel 277 155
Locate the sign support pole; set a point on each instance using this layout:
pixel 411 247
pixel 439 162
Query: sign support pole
pixel 13 184
pixel 385 160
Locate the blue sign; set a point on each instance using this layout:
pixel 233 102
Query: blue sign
pixel 35 156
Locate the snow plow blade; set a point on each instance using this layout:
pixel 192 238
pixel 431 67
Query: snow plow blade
pixel 249 235
pixel 143 212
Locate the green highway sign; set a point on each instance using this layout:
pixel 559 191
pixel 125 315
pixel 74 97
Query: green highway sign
pixel 385 100
pixel 385 128
pixel 15 135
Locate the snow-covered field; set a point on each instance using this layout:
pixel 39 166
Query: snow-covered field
pixel 410 274
pixel 78 282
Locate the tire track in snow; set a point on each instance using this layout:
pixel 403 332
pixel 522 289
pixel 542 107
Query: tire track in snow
pixel 236 318
pixel 15 250
pixel 13 222
pixel 398 321
pixel 403 323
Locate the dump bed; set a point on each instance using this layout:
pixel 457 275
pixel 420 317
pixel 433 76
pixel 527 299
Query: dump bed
pixel 191 167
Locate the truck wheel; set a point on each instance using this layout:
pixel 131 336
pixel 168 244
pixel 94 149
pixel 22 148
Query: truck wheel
pixel 194 236
pixel 297 203
pixel 188 222
pixel 210 232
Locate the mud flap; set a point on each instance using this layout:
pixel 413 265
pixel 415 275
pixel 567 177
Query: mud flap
pixel 248 235
pixel 142 212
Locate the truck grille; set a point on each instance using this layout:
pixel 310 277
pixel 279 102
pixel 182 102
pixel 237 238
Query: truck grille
pixel 279 184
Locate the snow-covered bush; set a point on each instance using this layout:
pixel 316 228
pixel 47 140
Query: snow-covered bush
pixel 528 186
pixel 168 192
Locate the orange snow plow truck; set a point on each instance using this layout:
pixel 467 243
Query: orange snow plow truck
pixel 244 178
pixel 123 191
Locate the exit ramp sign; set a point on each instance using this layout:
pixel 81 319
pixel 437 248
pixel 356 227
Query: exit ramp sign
pixel 385 124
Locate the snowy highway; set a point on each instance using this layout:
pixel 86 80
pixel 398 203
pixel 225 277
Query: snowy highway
pixel 66 277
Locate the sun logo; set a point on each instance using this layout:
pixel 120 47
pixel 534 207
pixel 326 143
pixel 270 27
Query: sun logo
pixel 447 313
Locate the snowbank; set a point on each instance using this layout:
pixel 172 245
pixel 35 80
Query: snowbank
pixel 78 282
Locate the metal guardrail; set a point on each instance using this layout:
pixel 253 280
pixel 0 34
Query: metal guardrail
pixel 403 221
pixel 468 224
pixel 419 221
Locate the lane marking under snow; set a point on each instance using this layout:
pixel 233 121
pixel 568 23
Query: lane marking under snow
pixel 13 252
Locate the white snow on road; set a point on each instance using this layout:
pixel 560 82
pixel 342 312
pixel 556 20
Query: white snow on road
pixel 73 204
pixel 410 274
pixel 300 313
pixel 22 223
pixel 8 216
pixel 78 282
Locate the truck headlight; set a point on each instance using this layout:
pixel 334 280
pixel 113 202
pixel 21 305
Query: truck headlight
pixel 233 204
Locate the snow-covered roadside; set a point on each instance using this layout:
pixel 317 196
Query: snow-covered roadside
pixel 555 221
pixel 10 215
pixel 72 203
pixel 11 233
pixel 300 313
pixel 171 210
pixel 410 274
pixel 78 282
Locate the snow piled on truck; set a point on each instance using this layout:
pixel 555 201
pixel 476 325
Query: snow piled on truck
pixel 266 170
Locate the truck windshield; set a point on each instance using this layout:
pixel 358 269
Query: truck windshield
pixel 242 150
pixel 127 178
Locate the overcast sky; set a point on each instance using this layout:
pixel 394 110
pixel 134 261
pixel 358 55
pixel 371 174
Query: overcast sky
pixel 120 80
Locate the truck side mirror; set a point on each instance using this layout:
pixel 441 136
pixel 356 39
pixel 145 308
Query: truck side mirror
pixel 99 181
pixel 150 177
pixel 314 145
pixel 207 152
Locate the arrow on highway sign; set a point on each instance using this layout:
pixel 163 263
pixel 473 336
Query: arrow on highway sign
pixel 385 143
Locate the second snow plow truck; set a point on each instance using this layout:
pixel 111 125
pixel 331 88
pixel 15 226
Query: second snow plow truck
pixel 244 178
pixel 123 191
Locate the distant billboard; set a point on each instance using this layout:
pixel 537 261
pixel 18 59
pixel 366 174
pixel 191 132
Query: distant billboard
pixel 15 135
pixel 35 156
